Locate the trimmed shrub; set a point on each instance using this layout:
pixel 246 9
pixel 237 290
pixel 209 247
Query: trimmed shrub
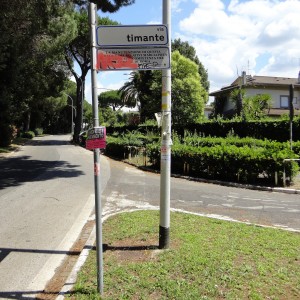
pixel 28 135
pixel 7 134
pixel 245 160
pixel 277 130
pixel 38 131
pixel 230 162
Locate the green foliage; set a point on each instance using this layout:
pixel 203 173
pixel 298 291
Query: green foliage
pixel 189 52
pixel 31 59
pixel 6 134
pixel 277 130
pixel 78 50
pixel 236 97
pixel 109 117
pixel 106 5
pixel 138 91
pixel 235 159
pixel 260 129
pixel 28 134
pixel 230 159
pixel 38 131
pixel 188 95
pixel 114 100
pixel 87 114
pixel 250 107
pixel 118 145
pixel 255 107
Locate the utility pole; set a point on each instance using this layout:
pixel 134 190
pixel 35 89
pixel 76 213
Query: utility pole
pixel 98 207
pixel 165 159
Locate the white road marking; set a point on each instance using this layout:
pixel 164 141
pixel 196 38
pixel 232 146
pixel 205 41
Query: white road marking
pixel 55 260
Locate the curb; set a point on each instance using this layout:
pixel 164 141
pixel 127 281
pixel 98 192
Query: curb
pixel 71 280
pixel 229 184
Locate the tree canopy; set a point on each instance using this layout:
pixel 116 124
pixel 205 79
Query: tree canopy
pixel 78 51
pixel 106 5
pixel 189 51
pixel 39 42
pixel 188 95
pixel 33 35
pixel 111 99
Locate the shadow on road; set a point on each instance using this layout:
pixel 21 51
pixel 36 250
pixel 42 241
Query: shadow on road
pixel 4 252
pixel 37 142
pixel 18 170
pixel 19 295
pixel 28 295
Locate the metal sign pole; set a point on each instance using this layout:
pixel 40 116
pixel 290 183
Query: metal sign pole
pixel 98 208
pixel 165 159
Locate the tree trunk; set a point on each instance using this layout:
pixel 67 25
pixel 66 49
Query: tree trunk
pixel 79 109
pixel 27 121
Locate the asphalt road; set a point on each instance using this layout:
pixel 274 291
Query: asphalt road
pixel 46 196
pixel 130 188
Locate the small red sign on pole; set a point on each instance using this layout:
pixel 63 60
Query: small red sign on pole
pixel 96 138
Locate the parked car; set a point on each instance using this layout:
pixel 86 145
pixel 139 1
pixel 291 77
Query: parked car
pixel 82 138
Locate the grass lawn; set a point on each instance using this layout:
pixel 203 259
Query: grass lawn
pixel 207 259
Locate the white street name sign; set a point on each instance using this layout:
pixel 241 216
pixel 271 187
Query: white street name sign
pixel 132 35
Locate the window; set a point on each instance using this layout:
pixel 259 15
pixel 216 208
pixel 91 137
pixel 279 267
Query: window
pixel 284 101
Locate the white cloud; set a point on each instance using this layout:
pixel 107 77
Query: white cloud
pixel 230 39
pixel 210 5
pixel 102 85
pixel 176 5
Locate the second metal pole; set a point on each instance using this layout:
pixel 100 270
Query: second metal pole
pixel 165 159
pixel 97 179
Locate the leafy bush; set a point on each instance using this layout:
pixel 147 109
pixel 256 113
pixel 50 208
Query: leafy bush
pixel 38 131
pixel 28 135
pixel 7 134
pixel 231 162
pixel 236 159
pixel 277 130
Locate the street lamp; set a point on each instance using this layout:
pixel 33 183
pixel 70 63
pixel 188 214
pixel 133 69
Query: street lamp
pixel 72 125
pixel 82 100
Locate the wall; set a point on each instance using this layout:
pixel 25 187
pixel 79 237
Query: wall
pixel 275 94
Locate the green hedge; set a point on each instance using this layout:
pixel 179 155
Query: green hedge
pixel 6 134
pixel 229 162
pixel 28 134
pixel 232 159
pixel 277 130
pixel 38 131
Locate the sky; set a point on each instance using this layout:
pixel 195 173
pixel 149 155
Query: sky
pixel 261 37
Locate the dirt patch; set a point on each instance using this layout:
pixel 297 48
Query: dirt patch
pixel 129 250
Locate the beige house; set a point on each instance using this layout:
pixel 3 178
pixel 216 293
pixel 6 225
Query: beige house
pixel 277 87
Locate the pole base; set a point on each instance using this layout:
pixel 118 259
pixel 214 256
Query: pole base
pixel 164 238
